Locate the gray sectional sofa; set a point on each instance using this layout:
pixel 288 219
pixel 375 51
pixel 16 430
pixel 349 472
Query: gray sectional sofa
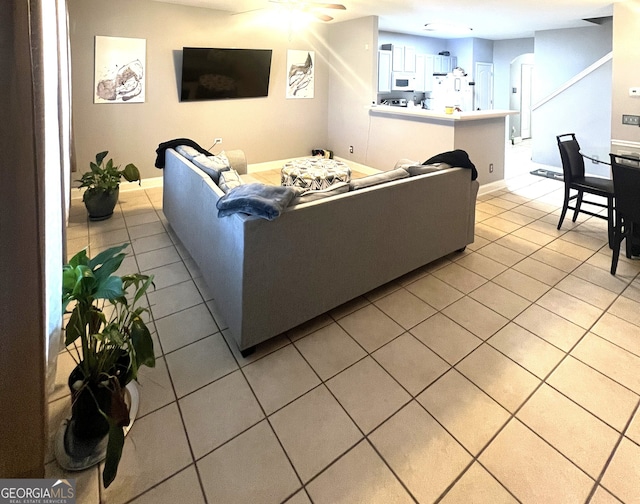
pixel 270 276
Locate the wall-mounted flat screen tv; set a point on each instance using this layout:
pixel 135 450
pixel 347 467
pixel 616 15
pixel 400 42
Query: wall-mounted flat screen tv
pixel 218 74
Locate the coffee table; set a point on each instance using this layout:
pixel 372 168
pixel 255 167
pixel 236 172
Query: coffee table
pixel 314 173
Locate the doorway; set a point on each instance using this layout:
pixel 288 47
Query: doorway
pixel 483 99
pixel 526 79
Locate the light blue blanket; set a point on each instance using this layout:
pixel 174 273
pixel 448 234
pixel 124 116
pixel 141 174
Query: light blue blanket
pixel 266 202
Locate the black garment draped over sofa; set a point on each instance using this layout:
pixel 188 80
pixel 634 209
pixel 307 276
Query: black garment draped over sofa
pixel 172 144
pixel 457 158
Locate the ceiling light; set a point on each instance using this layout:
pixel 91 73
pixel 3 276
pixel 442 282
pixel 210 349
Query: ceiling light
pixel 447 28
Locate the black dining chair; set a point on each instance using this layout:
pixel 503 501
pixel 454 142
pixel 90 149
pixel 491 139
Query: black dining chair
pixel 626 182
pixel 575 179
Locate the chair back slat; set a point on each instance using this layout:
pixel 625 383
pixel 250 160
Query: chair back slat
pixel 626 183
pixel 572 160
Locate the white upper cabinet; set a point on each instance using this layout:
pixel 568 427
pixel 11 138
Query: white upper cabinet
pixel 403 57
pixel 409 59
pixel 384 71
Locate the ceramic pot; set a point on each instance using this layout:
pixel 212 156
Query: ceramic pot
pixel 88 422
pixel 100 204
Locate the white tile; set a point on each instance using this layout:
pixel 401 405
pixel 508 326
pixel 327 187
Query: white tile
pixel 359 476
pixel 218 412
pixel 473 418
pixel 184 327
pixel 250 468
pixel 173 299
pixel 421 453
pixel 405 308
pixel 200 363
pixel 532 470
pixel 623 474
pixel 370 327
pixel 505 381
pixel 434 291
pixel 479 487
pixel 368 393
pixel 329 350
pixel 183 487
pixel 155 448
pixel 410 362
pixel 280 378
pixel 314 431
pixel 475 317
pixel 449 340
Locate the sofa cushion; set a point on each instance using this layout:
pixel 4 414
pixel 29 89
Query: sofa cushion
pixel 187 151
pixel 212 165
pixel 303 196
pixel 405 163
pixel 420 169
pixel 260 200
pixel 228 180
pixel 378 178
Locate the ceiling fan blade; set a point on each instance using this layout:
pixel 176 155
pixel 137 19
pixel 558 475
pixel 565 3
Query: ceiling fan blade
pixel 317 5
pixel 322 17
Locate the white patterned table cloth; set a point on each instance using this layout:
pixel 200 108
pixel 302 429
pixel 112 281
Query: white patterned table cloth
pixel 314 173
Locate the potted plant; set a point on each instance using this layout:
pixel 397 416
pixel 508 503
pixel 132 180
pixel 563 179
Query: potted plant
pixel 111 342
pixel 103 185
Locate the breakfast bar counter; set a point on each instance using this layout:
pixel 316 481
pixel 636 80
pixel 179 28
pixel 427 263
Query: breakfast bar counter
pixel 419 134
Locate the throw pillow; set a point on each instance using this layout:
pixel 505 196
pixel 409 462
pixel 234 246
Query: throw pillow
pixel 378 178
pixel 228 180
pixel 313 195
pixel 212 165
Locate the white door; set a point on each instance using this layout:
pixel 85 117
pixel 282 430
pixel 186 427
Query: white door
pixel 484 86
pixel 525 100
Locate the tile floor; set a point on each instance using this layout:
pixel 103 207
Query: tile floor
pixel 507 373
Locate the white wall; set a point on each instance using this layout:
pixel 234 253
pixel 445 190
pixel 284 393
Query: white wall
pixel 504 52
pixel 266 128
pixel 352 85
pixel 585 108
pixel 626 74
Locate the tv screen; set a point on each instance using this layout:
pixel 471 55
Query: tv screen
pixel 217 74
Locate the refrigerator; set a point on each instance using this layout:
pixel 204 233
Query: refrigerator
pixel 450 90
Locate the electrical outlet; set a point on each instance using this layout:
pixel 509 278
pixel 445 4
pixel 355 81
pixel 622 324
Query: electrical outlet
pixel 490 167
pixel 632 120
pixel 351 149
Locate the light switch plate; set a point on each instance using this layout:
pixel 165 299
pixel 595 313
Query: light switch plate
pixel 634 91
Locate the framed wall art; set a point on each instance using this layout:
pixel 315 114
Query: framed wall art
pixel 119 70
pixel 300 73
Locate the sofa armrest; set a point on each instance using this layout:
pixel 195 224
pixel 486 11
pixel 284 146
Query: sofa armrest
pixel 237 160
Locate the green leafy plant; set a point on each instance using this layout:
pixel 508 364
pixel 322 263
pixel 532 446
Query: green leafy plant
pixel 108 323
pixel 106 177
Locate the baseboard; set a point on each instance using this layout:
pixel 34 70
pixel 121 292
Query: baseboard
pixel 147 183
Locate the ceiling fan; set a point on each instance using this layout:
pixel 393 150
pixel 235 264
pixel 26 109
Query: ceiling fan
pixel 312 8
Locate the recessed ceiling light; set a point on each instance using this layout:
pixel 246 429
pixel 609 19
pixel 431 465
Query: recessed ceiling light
pixel 447 28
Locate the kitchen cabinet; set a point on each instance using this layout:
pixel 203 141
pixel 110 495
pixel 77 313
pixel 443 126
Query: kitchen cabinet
pixel 384 71
pixel 403 57
pixel 424 72
pixel 444 64
pixel 409 59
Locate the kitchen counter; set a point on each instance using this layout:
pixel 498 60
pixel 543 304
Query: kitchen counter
pixel 418 134
pixel 417 112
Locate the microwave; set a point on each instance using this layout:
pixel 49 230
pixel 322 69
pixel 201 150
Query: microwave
pixel 403 81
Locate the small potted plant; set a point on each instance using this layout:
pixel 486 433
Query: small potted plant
pixel 103 185
pixel 111 341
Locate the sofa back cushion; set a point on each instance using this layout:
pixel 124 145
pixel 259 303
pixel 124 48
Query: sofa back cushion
pixel 212 165
pixel 378 178
pixel 228 180
pixel 313 195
